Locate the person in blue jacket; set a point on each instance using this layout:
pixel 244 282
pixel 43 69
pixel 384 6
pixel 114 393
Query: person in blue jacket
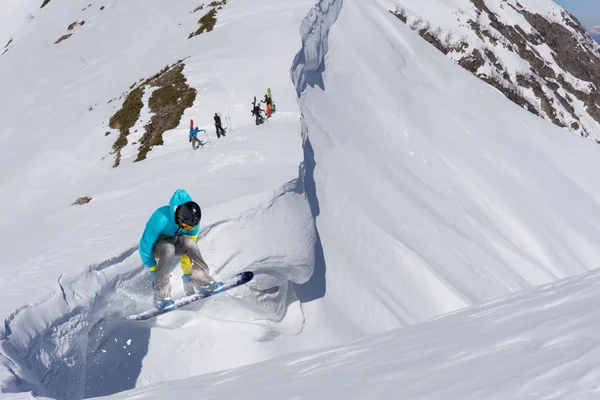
pixel 194 137
pixel 171 231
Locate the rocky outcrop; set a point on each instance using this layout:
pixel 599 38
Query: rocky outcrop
pixel 558 77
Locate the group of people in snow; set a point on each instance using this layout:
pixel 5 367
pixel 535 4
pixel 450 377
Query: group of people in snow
pixel 172 230
pixel 256 111
pixel 269 108
pixel 193 137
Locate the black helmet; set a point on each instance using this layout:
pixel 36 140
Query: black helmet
pixel 188 213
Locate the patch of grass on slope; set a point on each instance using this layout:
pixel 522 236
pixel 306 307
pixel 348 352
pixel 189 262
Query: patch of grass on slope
pixel 75 24
pixel 124 119
pixel 167 104
pixel 63 37
pixel 208 20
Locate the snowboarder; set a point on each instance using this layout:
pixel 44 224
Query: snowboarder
pixel 256 110
pixel 194 138
pixel 172 231
pixel 220 130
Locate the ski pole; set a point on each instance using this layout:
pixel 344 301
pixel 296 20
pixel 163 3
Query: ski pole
pixel 209 141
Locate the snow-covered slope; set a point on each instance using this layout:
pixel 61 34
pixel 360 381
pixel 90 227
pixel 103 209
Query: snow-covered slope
pixel 69 272
pixel 538 344
pixel 434 190
pixel 400 184
pixel 533 51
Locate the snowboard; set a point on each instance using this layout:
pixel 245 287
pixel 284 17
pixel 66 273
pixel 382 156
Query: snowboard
pixel 235 281
pixel 271 98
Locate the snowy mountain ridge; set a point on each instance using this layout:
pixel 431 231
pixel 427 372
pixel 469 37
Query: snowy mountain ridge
pixel 534 52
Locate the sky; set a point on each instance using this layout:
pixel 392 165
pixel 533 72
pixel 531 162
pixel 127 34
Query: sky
pixel 587 11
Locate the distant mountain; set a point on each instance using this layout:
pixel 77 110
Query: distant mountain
pixel 533 51
pixel 594 32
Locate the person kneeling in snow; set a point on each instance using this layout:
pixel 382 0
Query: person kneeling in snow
pixel 194 138
pixel 172 231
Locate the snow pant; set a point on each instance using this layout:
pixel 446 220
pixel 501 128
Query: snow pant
pixel 196 142
pixel 220 130
pixel 268 110
pixel 165 250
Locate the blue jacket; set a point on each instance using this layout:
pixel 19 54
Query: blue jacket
pixel 194 132
pixel 162 224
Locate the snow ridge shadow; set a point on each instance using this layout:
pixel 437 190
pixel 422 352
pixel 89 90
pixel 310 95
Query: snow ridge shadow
pixel 307 70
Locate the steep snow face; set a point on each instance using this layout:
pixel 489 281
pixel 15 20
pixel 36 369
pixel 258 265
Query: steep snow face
pixel 540 343
pixel 434 191
pixel 533 51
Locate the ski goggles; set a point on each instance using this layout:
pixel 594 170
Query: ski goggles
pixel 186 226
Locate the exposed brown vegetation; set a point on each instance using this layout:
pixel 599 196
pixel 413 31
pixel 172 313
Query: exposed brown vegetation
pixel 124 119
pixel 167 104
pixel 400 14
pixel 129 113
pixel 208 20
pixel 75 24
pixel 82 200
pixel 511 91
pixel 472 62
pixel 200 7
pixel 63 37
